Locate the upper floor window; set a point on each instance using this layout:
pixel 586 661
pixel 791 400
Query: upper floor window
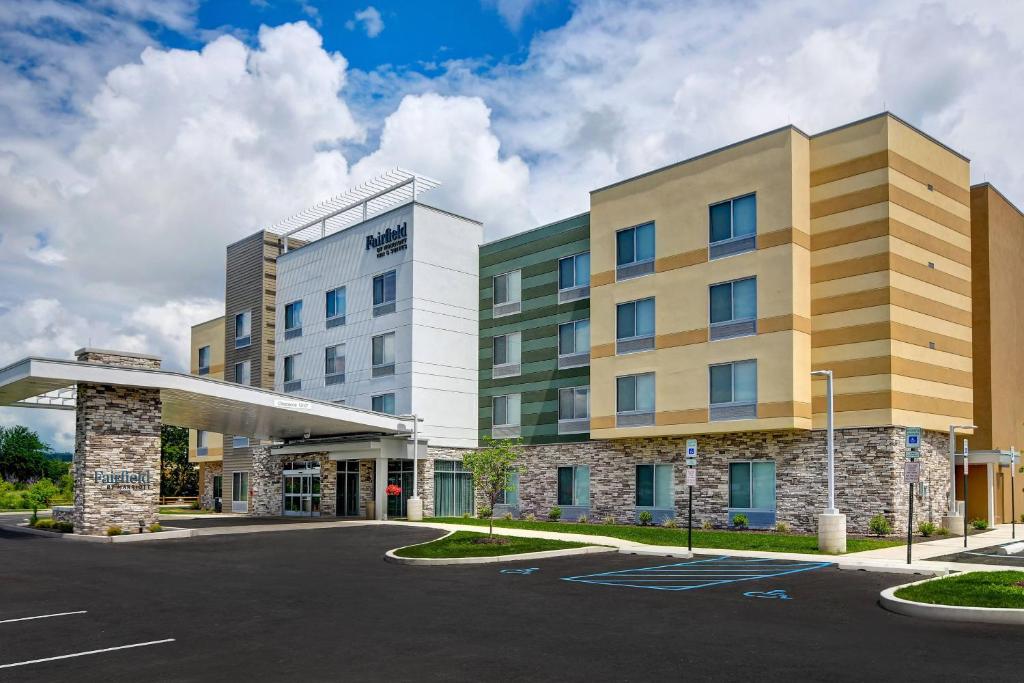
pixel 733 390
pixel 733 308
pixel 293 320
pixel 384 293
pixel 243 329
pixel 204 360
pixel 634 400
pixel 574 410
pixel 634 326
pixel 574 344
pixel 335 304
pixel 507 357
pixel 240 442
pixel 733 226
pixel 574 277
pixel 383 355
pixel 202 442
pixel 334 364
pixel 505 410
pixel 634 251
pixel 383 403
pixel 574 485
pixel 243 372
pixel 508 293
pixel 291 382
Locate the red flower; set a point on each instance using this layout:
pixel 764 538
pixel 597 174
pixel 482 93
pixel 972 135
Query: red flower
pixel 393 490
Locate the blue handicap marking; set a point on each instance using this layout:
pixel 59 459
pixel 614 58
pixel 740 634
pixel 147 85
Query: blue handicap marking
pixel 714 571
pixel 777 594
pixel 524 570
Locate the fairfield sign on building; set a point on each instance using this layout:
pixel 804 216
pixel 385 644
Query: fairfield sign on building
pixel 124 479
pixel 389 241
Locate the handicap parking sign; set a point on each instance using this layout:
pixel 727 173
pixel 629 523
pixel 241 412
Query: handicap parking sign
pixel 913 441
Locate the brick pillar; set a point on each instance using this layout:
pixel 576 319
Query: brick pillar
pixel 117 449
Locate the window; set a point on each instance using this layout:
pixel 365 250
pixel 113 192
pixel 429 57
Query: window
pixel 508 293
pixel 654 486
pixel 574 277
pixel 505 410
pixel 384 293
pixel 634 398
pixel 510 496
pixel 733 308
pixel 752 485
pixel 239 490
pixel 293 315
pixel 204 360
pixel 202 442
pixel 242 372
pixel 634 326
pixel 240 442
pixel 733 390
pixel 574 403
pixel 383 355
pixel 574 339
pixel 574 485
pixel 507 355
pixel 243 329
pixel 383 403
pixel 733 226
pixel 334 364
pixel 634 251
pixel 335 307
pixel 290 381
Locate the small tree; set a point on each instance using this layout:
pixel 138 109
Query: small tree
pixel 492 467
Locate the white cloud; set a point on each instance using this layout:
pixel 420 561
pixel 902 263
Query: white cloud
pixel 369 18
pixel 513 11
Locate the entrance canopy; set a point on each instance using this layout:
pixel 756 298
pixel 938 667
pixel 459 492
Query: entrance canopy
pixel 191 401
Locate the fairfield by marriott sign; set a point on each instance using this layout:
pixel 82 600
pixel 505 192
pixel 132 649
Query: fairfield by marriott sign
pixel 124 479
pixel 389 241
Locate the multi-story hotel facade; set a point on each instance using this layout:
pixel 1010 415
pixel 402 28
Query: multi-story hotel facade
pixel 692 302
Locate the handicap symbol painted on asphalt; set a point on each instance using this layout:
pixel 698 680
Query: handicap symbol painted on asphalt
pixel 778 594
pixel 524 570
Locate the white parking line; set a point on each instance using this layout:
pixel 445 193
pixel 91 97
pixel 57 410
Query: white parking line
pixel 42 616
pixel 89 652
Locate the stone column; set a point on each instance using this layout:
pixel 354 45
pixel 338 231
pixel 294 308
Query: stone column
pixel 117 449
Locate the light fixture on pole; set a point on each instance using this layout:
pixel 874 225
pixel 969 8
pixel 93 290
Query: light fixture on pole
pixel 831 524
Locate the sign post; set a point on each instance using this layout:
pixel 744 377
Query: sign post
pixel 691 481
pixel 1013 494
pixel 912 473
pixel 965 492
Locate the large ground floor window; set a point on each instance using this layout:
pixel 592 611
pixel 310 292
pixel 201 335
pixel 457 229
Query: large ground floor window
pixel 399 474
pixel 752 485
pixel 239 491
pixel 510 496
pixel 574 485
pixel 654 486
pixel 453 489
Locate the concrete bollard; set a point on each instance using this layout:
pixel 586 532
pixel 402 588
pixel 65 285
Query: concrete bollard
pixel 414 509
pixel 955 524
pixel 832 533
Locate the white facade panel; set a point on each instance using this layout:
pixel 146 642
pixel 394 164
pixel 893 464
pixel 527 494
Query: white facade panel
pixel 435 318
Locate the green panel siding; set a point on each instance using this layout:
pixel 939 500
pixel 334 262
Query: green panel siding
pixel 536 254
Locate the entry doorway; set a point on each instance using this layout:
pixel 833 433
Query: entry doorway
pixel 348 488
pixel 399 473
pixel 218 492
pixel 301 488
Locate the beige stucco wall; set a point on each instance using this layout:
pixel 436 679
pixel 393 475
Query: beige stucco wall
pixel 209 333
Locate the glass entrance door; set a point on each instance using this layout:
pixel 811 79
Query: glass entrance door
pixel 348 488
pixel 301 488
pixel 400 473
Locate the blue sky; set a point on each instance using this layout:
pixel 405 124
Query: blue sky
pixel 138 137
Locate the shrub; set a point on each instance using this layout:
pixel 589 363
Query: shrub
pixel 64 527
pixel 1022 518
pixel 114 530
pixel 645 518
pixel 979 524
pixel 926 529
pixel 740 521
pixel 484 512
pixel 941 531
pixel 43 524
pixel 706 525
pixel 508 516
pixel 155 528
pixel 195 506
pixel 669 523
pixel 466 515
pixel 555 514
pixel 531 517
pixel 609 520
pixel 582 519
pixel 880 526
pixel 781 528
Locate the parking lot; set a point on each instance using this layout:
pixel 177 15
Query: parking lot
pixel 322 605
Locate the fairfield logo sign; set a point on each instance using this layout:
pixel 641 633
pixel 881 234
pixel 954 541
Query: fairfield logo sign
pixel 389 241
pixel 124 479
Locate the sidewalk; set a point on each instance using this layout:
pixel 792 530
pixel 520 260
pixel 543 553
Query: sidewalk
pixel 892 559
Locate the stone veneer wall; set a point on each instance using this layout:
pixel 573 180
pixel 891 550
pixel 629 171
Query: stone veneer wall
pixel 868 469
pixel 116 429
pixel 211 470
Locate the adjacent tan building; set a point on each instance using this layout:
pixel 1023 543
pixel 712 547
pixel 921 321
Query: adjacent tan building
pixel 206 449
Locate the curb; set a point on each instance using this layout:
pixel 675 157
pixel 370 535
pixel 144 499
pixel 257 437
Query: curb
pixel 390 555
pixel 924 610
pixel 125 538
pixel 892 567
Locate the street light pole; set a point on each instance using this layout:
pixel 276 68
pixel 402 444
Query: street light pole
pixel 830 441
pixel 414 512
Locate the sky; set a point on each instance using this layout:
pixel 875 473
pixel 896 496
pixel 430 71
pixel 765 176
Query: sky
pixel 139 137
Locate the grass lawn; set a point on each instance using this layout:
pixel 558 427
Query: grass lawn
pixel 974 589
pixel 653 535
pixel 171 510
pixel 460 544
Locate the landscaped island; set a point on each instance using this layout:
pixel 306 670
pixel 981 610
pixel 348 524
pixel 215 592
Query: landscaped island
pixel 467 544
pixel 974 589
pixel 731 540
